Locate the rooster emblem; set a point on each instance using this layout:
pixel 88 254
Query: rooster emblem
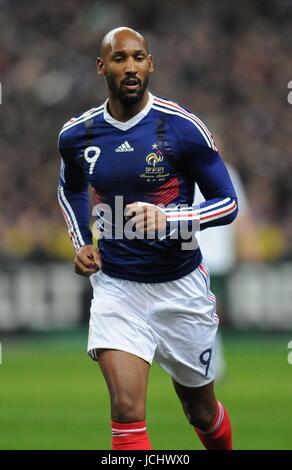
pixel 153 158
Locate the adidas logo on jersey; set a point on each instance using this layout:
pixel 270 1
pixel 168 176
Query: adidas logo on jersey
pixel 125 147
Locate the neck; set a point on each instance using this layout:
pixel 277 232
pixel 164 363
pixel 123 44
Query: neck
pixel 123 113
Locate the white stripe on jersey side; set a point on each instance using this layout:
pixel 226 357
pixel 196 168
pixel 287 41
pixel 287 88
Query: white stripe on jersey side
pixel 69 224
pixel 87 113
pixel 190 118
pixel 231 204
pixel 71 213
pixel 203 209
pixel 224 211
pixel 68 221
pixel 210 219
pixel 72 217
pixel 172 104
pixel 227 210
pixel 70 229
pixel 79 122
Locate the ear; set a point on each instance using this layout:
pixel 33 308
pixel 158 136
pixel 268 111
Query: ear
pixel 100 66
pixel 150 60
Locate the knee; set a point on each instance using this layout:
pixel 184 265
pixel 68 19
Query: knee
pixel 127 409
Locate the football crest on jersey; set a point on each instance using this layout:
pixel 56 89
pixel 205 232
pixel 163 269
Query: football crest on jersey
pixel 154 170
pixel 153 158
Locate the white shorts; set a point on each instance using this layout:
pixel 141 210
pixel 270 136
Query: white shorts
pixel 174 323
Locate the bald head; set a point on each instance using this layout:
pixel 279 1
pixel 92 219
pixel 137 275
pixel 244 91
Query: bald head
pixel 113 37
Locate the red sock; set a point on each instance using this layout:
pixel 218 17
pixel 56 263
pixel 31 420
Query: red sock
pixel 130 436
pixel 219 436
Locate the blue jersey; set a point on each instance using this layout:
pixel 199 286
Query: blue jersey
pixel 155 158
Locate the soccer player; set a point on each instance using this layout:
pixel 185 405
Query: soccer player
pixel 151 291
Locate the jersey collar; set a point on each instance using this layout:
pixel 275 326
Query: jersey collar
pixel 124 126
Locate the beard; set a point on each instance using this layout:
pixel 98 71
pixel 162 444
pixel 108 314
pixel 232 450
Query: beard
pixel 125 97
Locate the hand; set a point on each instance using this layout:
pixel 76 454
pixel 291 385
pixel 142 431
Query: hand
pixel 147 217
pixel 87 261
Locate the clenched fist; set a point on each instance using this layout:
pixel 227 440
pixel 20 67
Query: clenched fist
pixel 147 217
pixel 87 261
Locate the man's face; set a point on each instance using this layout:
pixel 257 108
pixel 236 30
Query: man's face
pixel 126 66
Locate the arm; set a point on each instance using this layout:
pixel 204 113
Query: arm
pixel 211 175
pixel 74 203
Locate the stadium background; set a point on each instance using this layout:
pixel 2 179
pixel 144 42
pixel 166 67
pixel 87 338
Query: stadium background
pixel 230 62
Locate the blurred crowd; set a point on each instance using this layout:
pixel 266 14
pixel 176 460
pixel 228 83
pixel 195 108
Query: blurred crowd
pixel 228 61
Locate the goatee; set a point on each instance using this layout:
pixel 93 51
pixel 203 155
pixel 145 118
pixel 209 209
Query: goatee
pixel 127 99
